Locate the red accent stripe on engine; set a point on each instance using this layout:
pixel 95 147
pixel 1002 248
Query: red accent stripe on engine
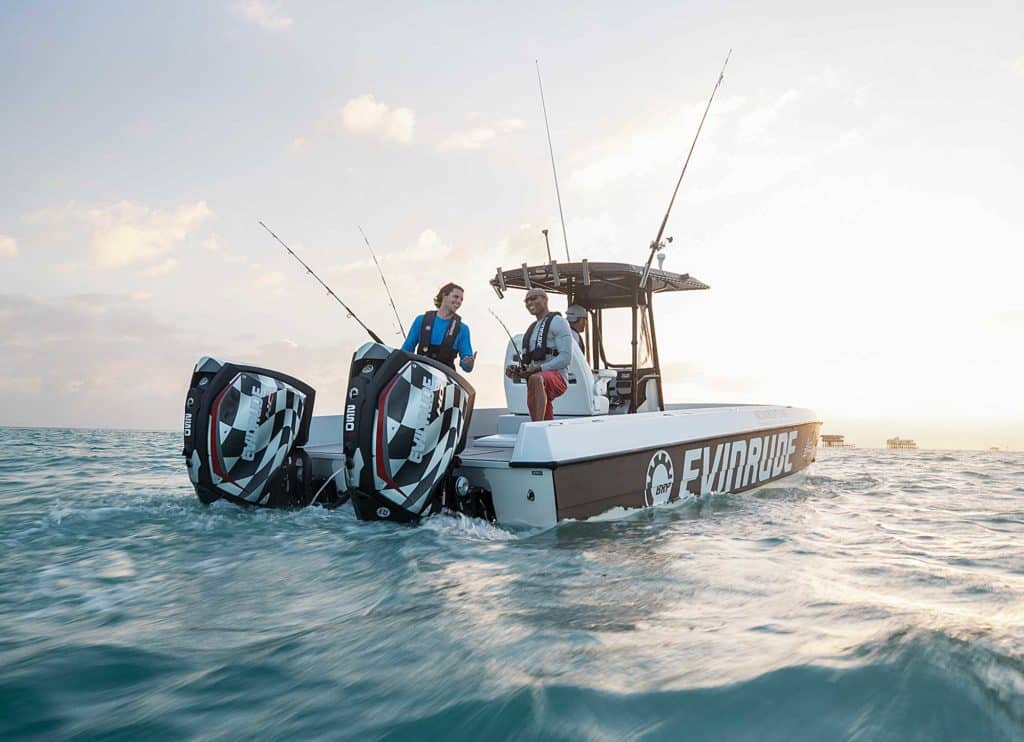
pixel 381 451
pixel 214 452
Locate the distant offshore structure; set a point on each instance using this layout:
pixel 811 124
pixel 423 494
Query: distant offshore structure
pixel 902 443
pixel 835 441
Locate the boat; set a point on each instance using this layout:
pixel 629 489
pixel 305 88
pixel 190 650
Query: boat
pixel 410 443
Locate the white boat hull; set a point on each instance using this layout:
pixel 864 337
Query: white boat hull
pixel 537 474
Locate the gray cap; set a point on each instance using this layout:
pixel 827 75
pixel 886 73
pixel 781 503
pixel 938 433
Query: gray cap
pixel 575 312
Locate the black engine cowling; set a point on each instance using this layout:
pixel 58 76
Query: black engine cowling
pixel 406 417
pixel 244 427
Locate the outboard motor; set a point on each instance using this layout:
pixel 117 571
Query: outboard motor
pixel 406 417
pixel 243 430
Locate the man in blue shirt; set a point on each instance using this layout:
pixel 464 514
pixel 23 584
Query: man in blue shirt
pixel 442 334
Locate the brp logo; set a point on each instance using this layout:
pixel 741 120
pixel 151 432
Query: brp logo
pixel 383 513
pixel 660 478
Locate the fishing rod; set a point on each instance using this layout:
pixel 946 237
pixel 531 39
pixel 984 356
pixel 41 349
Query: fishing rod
pixel 554 172
pixel 505 328
pixel 383 280
pixel 657 245
pixel 329 291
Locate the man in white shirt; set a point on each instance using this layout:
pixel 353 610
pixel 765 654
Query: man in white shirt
pixel 547 349
pixel 576 316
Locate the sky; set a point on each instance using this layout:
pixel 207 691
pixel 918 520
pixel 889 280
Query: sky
pixel 854 201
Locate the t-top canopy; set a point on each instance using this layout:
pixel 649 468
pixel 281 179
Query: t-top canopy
pixel 595 285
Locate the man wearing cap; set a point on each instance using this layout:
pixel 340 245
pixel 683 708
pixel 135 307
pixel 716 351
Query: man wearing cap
pixel 576 316
pixel 547 348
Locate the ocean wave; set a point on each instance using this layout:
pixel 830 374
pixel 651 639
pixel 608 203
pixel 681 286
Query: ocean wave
pixel 879 599
pixel 923 686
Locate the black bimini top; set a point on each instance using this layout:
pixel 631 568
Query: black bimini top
pixel 595 285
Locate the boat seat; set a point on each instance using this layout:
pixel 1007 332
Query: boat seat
pixel 586 393
pixel 651 401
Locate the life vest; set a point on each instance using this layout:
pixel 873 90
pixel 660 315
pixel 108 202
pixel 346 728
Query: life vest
pixel 579 340
pixel 445 352
pixel 535 346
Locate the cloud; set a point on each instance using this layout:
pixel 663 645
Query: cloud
pixel 90 360
pixel 430 241
pixel 753 172
pixel 161 269
pixel 128 233
pixel 365 116
pixel 644 143
pixel 429 250
pixel 1019 65
pixel 8 246
pixel 268 281
pixel 479 136
pixel 471 139
pixel 850 138
pixel 753 125
pixel 267 15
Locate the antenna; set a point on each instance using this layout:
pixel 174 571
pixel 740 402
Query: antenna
pixel 383 280
pixel 656 245
pixel 547 243
pixel 554 172
pixel 329 291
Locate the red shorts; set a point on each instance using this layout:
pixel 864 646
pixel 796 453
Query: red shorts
pixel 554 387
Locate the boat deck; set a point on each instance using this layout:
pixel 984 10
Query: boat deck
pixel 331 451
pixel 491 437
pixel 491 450
pixel 480 456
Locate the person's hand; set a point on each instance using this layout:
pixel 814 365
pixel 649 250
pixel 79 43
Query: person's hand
pixel 467 363
pixel 510 371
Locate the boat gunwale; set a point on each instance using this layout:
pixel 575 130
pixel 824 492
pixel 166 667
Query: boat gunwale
pixel 583 459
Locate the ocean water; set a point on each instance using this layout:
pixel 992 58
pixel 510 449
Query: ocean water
pixel 883 599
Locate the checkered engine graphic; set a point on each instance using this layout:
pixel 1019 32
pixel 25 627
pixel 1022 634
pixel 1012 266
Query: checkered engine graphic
pixel 256 419
pixel 425 412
